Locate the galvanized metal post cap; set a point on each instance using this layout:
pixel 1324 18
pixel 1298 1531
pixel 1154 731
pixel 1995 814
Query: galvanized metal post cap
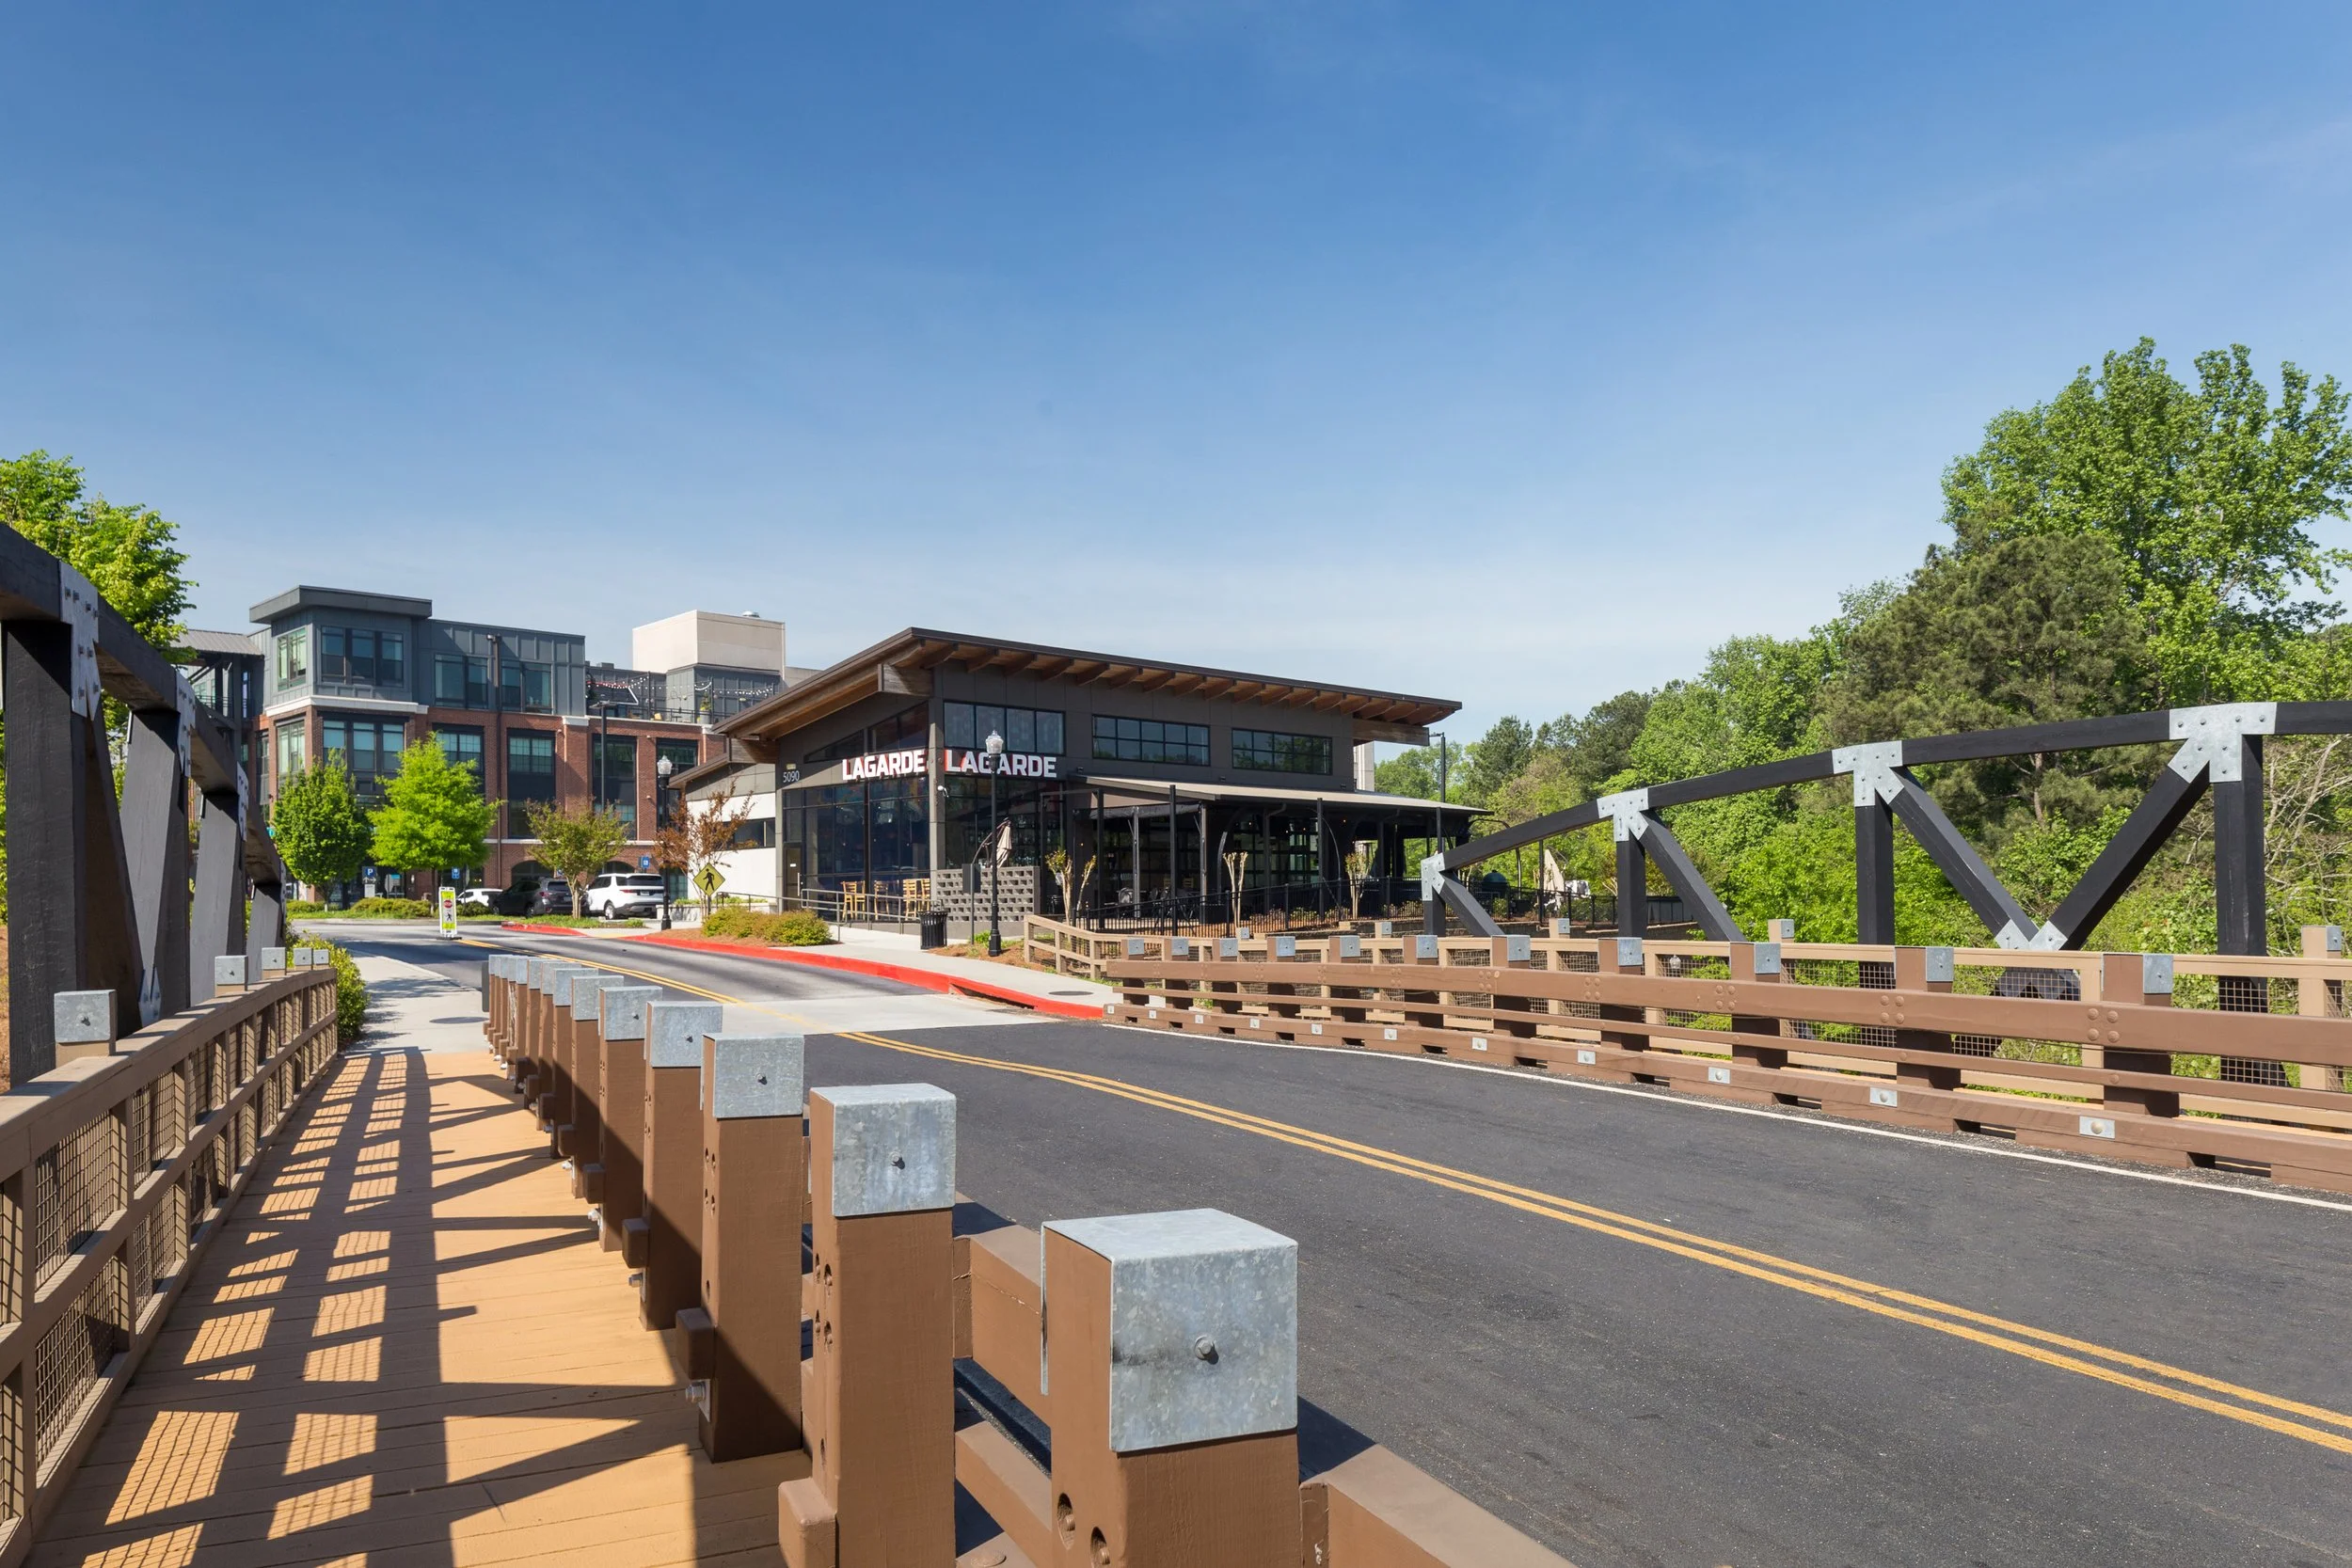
pixel 893 1147
pixel 1227 947
pixel 1203 1329
pixel 1768 958
pixel 623 1011
pixel 84 1017
pixel 1424 946
pixel 674 1031
pixel 272 958
pixel 1940 965
pixel 587 987
pixel 1628 952
pixel 228 969
pixel 2156 974
pixel 755 1075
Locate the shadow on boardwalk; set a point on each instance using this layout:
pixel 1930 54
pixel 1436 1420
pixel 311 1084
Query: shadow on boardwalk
pixel 408 1349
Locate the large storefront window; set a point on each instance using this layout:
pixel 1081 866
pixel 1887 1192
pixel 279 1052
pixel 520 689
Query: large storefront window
pixel 968 725
pixel 1272 752
pixel 1150 741
pixel 873 835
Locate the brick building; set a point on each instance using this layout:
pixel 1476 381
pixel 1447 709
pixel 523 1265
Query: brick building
pixel 361 676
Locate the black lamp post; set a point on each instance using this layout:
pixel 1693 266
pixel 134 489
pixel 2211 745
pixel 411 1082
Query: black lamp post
pixel 995 756
pixel 662 770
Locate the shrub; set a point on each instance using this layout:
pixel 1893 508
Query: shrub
pixel 792 928
pixel 392 909
pixel 303 905
pixel 351 992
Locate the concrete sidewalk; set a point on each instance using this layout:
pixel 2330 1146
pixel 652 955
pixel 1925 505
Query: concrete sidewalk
pixel 412 1009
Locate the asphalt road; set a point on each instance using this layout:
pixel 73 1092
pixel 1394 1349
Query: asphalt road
pixel 1998 1360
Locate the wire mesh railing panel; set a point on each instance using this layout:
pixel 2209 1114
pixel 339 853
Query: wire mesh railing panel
pixel 1849 974
pixel 167 1240
pixel 170 1111
pixel 73 1354
pixel 1695 966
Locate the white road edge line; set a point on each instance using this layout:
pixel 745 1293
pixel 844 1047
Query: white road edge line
pixel 1825 1124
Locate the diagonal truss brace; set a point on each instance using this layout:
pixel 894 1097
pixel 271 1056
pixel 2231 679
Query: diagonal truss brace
pixel 1440 890
pixel 1666 852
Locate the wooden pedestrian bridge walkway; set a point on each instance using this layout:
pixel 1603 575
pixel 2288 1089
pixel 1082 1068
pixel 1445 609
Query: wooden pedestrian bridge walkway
pixel 282 1303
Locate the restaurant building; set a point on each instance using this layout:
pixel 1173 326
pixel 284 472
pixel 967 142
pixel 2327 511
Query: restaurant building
pixel 867 780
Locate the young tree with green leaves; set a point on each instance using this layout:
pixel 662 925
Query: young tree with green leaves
pixel 576 844
pixel 2209 493
pixel 322 834
pixel 433 818
pixel 126 551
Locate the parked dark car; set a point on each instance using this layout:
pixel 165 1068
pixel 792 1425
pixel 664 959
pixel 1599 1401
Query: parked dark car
pixel 553 897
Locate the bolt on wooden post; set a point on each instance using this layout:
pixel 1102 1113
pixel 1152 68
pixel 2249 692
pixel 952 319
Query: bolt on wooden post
pixel 754 1201
pixel 587 1142
pixel 880 1378
pixel 1757 963
pixel 1931 969
pixel 2138 979
pixel 1183 1447
pixel 536 1069
pixel 512 969
pixel 562 1088
pixel 620 1157
pixel 1623 956
pixel 2315 997
pixel 665 1243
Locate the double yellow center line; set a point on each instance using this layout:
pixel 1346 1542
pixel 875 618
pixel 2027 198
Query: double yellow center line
pixel 2289 1417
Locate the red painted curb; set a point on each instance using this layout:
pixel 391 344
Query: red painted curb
pixel 929 979
pixel 543 930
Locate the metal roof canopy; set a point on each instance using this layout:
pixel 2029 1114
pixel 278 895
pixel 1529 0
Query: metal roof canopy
pixel 1148 792
pixel 902 663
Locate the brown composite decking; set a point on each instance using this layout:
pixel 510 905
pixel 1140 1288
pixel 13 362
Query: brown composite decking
pixel 407 1349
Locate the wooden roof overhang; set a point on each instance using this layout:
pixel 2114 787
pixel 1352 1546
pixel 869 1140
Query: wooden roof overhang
pixel 903 663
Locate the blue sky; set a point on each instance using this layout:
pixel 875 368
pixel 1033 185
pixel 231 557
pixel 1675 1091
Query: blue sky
pixel 1515 354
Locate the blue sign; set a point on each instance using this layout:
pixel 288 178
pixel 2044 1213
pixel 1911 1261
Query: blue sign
pixel 645 863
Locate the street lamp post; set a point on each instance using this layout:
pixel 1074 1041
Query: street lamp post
pixel 995 756
pixel 661 770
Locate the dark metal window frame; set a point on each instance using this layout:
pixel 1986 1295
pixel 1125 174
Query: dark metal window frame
pixel 1151 742
pixel 1280 751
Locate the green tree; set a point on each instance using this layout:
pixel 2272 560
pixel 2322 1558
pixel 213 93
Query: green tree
pixel 322 834
pixel 2029 629
pixel 1414 774
pixel 1494 759
pixel 576 844
pixel 433 815
pixel 2208 493
pixel 126 551
pixel 1596 745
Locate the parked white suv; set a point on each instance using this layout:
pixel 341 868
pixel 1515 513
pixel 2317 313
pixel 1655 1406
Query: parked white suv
pixel 616 895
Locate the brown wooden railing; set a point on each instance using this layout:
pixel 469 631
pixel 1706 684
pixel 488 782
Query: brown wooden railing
pixel 2090 1053
pixel 117 1169
pixel 699 1150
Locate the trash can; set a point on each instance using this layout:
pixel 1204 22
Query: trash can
pixel 934 928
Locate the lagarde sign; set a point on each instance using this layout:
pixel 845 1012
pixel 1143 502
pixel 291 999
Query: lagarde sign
pixel 899 765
